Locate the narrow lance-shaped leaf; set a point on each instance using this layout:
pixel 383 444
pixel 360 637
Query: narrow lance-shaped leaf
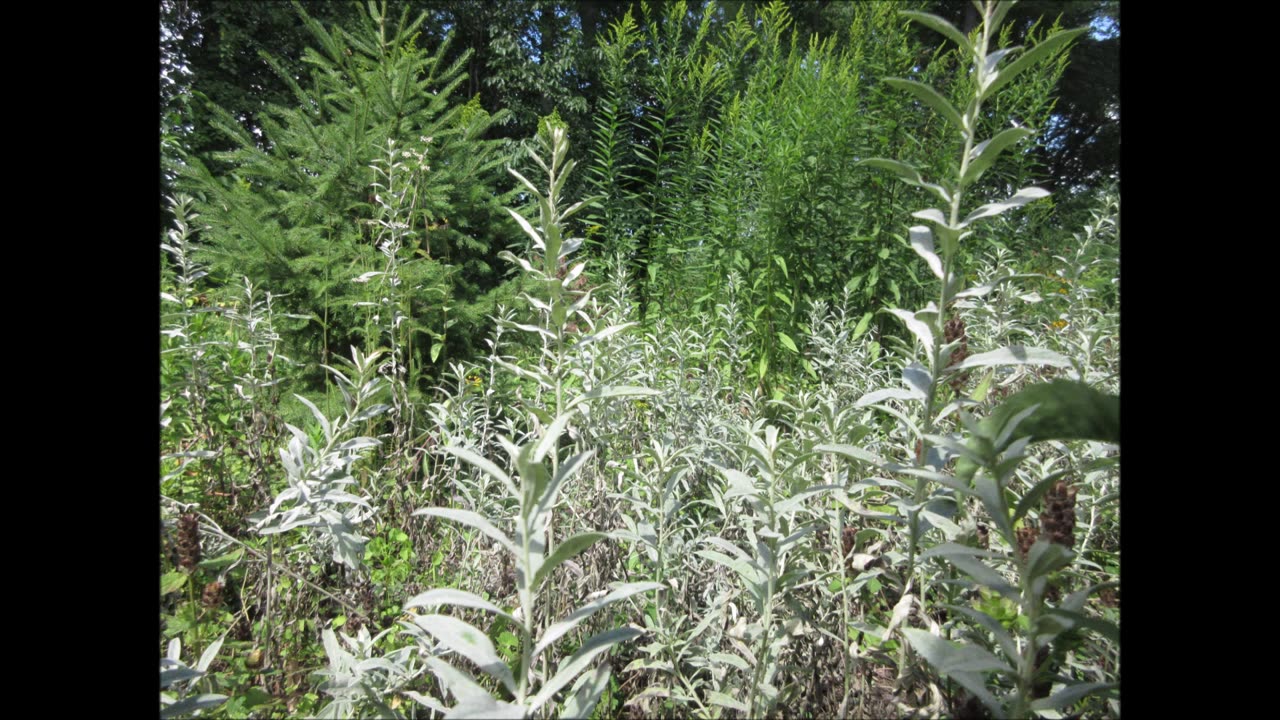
pixel 475 520
pixel 580 661
pixel 989 151
pixel 469 642
pixel 560 627
pixel 565 550
pixel 930 97
pixel 942 26
pixel 1031 57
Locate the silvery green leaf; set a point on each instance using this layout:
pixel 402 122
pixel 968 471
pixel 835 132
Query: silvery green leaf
pixel 450 596
pixel 942 26
pixel 718 698
pixel 324 422
pixel 950 657
pixel 949 529
pixel 989 151
pixel 876 396
pixel 358 443
pixel 458 682
pixel 526 183
pixel 1070 695
pixel 366 277
pixel 187 706
pixel 729 659
pixel 605 391
pixel 557 629
pixel 211 652
pixel 901 611
pixel 908 174
pixel 586 693
pixel 1022 197
pixel 538 242
pixel 176 675
pixel 850 452
pixel 607 332
pixel 920 329
pixel 580 661
pixel 469 642
pixel 993 626
pixel 922 243
pixel 1032 56
pixel 1046 557
pixel 567 469
pixel 739 483
pixel 917 378
pixel 753 575
pixel 484 465
pixel 567 549
pixel 1013 355
pixel 932 99
pixel 485 709
pixel 473 519
pixel 427 701
pixel 170 298
pixel 551 436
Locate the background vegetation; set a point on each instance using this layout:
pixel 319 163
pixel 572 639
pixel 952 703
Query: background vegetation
pixel 572 358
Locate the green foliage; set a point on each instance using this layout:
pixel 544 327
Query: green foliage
pixel 300 214
pixel 832 477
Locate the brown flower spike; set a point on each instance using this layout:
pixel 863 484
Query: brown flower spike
pixel 188 541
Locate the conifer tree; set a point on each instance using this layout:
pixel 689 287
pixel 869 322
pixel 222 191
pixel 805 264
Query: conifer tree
pixel 297 213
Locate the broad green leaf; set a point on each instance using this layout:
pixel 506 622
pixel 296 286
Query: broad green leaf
pixel 557 629
pixel 172 581
pixel 787 342
pixel 580 661
pixel 475 520
pixel 942 26
pixel 1065 410
pixel 450 596
pixel 1032 56
pixel 951 657
pixel 863 324
pixel 989 151
pixel 930 97
pixel 469 642
pixel 566 550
